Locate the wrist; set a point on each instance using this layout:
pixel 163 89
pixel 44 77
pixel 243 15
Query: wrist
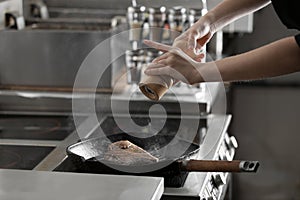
pixel 206 72
pixel 208 20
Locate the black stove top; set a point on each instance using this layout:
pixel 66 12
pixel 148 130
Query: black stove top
pixel 15 153
pixel 170 127
pixel 35 127
pixel 22 157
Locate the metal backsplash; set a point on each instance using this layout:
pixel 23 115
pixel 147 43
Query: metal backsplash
pixel 48 52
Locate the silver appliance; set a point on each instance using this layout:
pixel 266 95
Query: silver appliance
pixel 207 186
pixel 46 52
pixel 38 71
pixel 44 137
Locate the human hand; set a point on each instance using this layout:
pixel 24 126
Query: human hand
pixel 192 41
pixel 181 61
pixel 174 63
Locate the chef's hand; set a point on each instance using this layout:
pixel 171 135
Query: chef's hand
pixel 192 41
pixel 184 55
pixel 175 63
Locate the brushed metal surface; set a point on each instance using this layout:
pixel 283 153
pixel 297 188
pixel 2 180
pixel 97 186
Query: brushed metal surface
pixel 46 58
pixel 34 185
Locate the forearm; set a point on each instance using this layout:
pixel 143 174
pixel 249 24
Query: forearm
pixel 278 58
pixel 230 10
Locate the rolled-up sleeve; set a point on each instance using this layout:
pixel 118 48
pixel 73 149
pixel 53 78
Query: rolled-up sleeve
pixel 297 37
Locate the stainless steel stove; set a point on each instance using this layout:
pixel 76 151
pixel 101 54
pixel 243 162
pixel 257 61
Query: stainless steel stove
pixel 210 186
pixel 197 185
pixel 36 124
pixel 47 135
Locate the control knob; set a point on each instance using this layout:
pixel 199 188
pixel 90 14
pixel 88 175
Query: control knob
pixel 218 180
pixel 231 142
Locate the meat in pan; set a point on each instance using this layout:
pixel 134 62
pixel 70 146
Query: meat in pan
pixel 126 153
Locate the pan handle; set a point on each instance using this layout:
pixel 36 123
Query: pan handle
pixel 219 166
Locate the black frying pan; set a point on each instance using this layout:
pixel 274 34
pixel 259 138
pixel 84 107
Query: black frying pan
pixel 174 168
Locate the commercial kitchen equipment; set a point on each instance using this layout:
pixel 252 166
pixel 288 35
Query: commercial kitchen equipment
pixel 38 141
pixel 46 52
pixel 49 153
pixel 36 118
pixel 194 185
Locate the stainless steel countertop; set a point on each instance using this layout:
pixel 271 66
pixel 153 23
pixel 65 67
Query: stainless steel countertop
pixel 37 185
